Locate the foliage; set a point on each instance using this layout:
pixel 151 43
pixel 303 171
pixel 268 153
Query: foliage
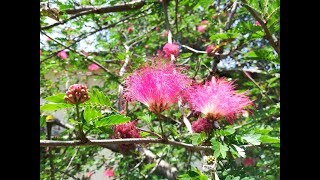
pixel 107 40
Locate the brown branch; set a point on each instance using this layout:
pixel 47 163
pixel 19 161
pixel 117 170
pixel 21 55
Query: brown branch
pixel 53 143
pixel 150 132
pixel 164 167
pixel 85 10
pixel 272 40
pixel 255 83
pixel 233 11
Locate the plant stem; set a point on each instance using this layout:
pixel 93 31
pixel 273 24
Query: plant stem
pixel 160 121
pixel 81 134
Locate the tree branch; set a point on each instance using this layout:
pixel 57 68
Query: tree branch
pixel 85 10
pixel 272 40
pixel 233 11
pixel 53 143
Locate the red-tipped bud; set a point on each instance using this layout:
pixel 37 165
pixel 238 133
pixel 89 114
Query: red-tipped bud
pixel 209 50
pixel 76 94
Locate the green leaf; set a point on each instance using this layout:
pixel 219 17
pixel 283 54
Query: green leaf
pixel 42 121
pixel 112 120
pixel 252 138
pixel 269 139
pixel 205 3
pixel 219 149
pixel 185 55
pixel 91 113
pixel 53 107
pixel 227 132
pixel 98 98
pixel 198 138
pixel 146 118
pixel 57 98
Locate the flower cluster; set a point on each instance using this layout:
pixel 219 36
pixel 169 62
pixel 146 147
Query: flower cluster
pixel 76 94
pixel 127 130
pixel 216 99
pixel 202 125
pixel 157 86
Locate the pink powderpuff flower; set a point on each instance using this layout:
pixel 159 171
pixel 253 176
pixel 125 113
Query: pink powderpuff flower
pixel 93 67
pixel 40 52
pixel 216 99
pixel 248 162
pixel 202 125
pixel 109 173
pixel 171 48
pixel 157 86
pixel 89 174
pixel 63 54
pixel 157 28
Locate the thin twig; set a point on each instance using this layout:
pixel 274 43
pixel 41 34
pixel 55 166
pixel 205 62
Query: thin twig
pixel 77 12
pixel 54 143
pixel 150 132
pixel 85 57
pixel 84 36
pixel 72 158
pixel 272 40
pixel 233 11
pixel 261 90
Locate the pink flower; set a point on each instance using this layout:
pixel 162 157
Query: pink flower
pixel 248 162
pixel 160 53
pixel 89 174
pixel 48 39
pixel 209 50
pixel 201 28
pixel 63 54
pixel 216 99
pixel 109 173
pixel 127 130
pixel 202 125
pixel 157 28
pixel 170 48
pixel 40 52
pixel 257 23
pixel 76 94
pixel 130 29
pixel 93 67
pixel 157 86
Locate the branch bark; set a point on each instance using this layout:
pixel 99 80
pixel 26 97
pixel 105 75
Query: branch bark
pixel 54 143
pixel 85 10
pixel 272 40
